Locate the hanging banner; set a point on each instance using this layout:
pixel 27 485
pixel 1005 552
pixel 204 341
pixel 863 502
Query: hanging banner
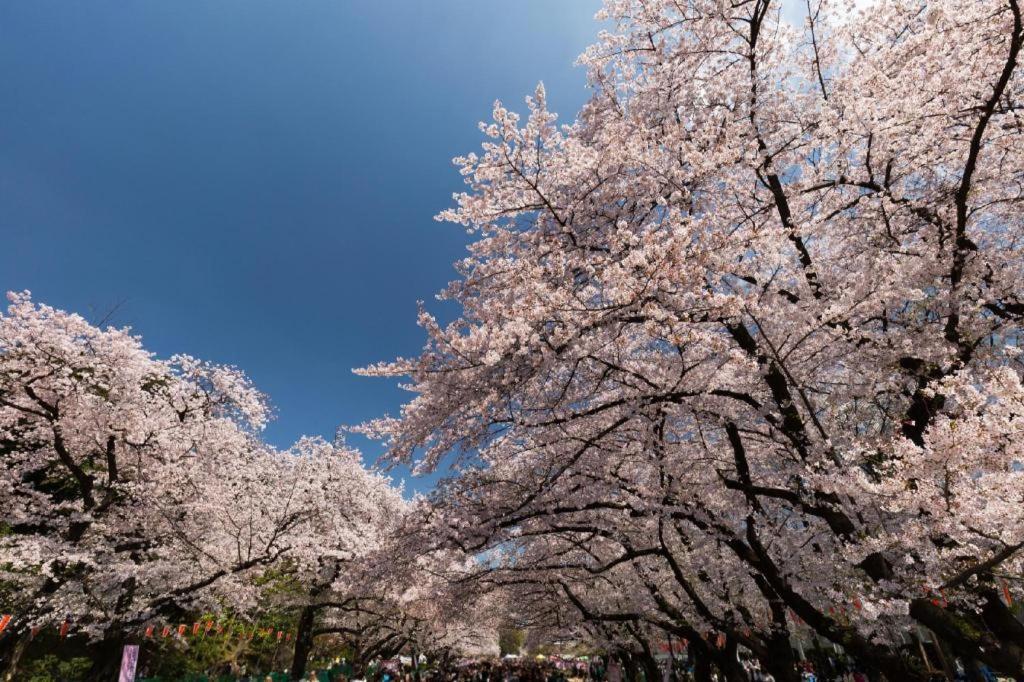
pixel 129 659
pixel 5 620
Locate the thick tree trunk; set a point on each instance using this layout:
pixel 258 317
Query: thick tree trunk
pixel 630 673
pixel 971 641
pixel 781 662
pixel 359 666
pixel 701 665
pixel 629 670
pixel 106 658
pixel 728 663
pixel 12 648
pixel 303 643
pixel 1003 624
pixel 652 672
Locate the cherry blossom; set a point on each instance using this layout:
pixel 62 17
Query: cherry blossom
pixel 744 337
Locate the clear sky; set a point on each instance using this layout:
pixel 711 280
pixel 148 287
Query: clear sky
pixel 253 181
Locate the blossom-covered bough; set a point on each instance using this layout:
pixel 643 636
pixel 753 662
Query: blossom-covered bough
pixel 352 514
pixel 127 481
pixel 136 490
pixel 746 334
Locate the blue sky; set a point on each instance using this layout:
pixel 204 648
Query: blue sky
pixel 254 181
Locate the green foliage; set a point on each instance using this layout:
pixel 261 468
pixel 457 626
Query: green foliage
pixel 50 668
pixel 50 658
pixel 172 658
pixel 511 640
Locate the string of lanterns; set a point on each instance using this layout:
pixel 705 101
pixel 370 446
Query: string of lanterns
pixel 209 629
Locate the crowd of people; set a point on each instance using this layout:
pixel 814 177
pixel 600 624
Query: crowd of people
pixel 567 669
pixel 482 670
pixel 599 669
pixel 545 669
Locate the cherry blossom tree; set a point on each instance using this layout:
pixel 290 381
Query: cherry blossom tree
pixel 104 451
pixel 408 597
pixel 750 326
pixel 351 515
pixel 452 615
pixel 137 489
